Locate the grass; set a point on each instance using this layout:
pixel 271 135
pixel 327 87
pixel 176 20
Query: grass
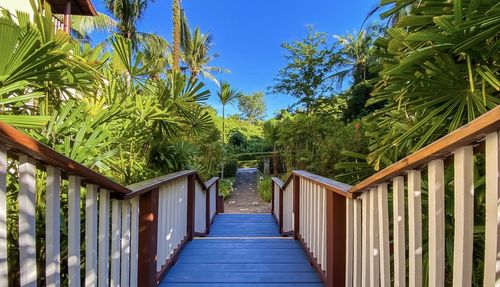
pixel 226 187
pixel 265 188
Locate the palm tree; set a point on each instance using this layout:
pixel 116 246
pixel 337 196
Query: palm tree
pixel 196 47
pixel 433 79
pixel 355 51
pixel 176 32
pixel 126 15
pixel 226 96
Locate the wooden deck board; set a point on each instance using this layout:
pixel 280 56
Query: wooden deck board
pixel 252 253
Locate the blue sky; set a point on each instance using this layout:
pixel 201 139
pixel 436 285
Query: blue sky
pixel 248 34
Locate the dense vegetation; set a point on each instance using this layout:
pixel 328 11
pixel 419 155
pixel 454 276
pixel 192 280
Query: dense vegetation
pixel 387 91
pixel 133 107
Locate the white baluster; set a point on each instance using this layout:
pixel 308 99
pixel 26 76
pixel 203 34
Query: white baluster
pixel 103 264
pixel 436 223
pixel 91 233
pixel 115 242
pixel 74 231
pixel 349 254
pixel 383 221
pixel 27 228
pixel 492 226
pixel 53 227
pixel 374 239
pixel 134 241
pixel 4 273
pixel 365 241
pixel 415 228
pixel 464 216
pixel 357 243
pixel 399 231
pixel 125 245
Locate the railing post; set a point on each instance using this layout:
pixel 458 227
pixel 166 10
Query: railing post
pixel 207 210
pixel 148 234
pixel 190 206
pixel 296 206
pixel 335 239
pixel 272 197
pixel 280 211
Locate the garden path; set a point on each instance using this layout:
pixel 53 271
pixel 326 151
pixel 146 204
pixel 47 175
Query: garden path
pixel 245 198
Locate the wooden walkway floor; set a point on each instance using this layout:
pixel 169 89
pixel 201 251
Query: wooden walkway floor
pixel 242 250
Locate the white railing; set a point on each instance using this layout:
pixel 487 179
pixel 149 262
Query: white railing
pixel 308 206
pixel 287 209
pixel 172 219
pixel 276 200
pixel 423 177
pixel 86 199
pixel 312 219
pixel 212 188
pixel 347 230
pixel 200 209
pixel 131 234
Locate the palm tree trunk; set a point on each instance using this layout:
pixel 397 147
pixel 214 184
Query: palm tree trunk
pixel 223 140
pixel 176 15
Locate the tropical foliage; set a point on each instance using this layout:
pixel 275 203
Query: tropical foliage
pixel 107 107
pixel 431 69
pixel 252 107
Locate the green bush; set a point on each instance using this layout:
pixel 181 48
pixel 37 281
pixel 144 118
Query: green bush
pixel 265 188
pixel 226 187
pixel 248 163
pixel 230 167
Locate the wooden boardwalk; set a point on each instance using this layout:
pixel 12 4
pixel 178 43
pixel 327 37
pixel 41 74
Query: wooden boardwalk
pixel 242 250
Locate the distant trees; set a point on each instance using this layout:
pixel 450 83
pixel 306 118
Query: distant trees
pixel 252 106
pixel 308 72
pixel 226 95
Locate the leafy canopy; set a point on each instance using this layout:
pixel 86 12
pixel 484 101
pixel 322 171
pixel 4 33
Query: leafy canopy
pixel 252 107
pixel 308 72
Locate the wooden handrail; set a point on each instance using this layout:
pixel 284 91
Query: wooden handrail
pixel 142 187
pixel 466 135
pixel 19 143
pixel 330 184
pixel 211 182
pixel 278 181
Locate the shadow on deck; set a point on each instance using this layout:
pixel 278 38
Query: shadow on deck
pixel 242 250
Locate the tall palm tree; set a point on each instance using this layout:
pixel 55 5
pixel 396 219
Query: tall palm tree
pixel 196 52
pixel 128 13
pixel 355 51
pixel 125 16
pixel 226 96
pixel 176 33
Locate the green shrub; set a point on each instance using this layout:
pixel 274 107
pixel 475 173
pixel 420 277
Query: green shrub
pixel 265 188
pixel 248 163
pixel 230 167
pixel 226 187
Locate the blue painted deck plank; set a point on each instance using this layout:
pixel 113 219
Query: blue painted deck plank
pixel 248 252
pixel 233 277
pixel 233 259
pixel 272 261
pixel 242 267
pixel 253 284
pixel 207 244
pixel 244 225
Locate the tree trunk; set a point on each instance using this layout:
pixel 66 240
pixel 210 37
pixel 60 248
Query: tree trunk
pixel 223 144
pixel 275 162
pixel 176 15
